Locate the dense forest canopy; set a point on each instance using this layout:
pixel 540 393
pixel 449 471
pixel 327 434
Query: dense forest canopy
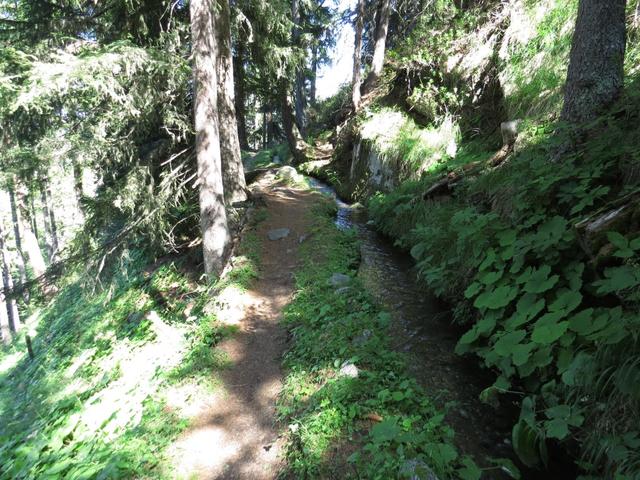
pixel 146 145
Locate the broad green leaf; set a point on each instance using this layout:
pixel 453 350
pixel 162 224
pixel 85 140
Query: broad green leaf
pixel 489 260
pixel 504 345
pixel 522 353
pixel 446 453
pixel 557 428
pixel 618 240
pixel 579 366
pixel 469 337
pixel 566 301
pixel 582 323
pixel 490 278
pixel 472 290
pixel 526 443
pixel 565 356
pixel 386 430
pixel 540 281
pixel 418 250
pixel 506 237
pixel 525 275
pixel 618 278
pixel 469 470
pixel 527 308
pixel 547 334
pixel 487 324
pixel 573 273
pixel 507 466
pixel 559 411
pixel 498 298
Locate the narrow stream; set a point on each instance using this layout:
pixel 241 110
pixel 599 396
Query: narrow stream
pixel 422 328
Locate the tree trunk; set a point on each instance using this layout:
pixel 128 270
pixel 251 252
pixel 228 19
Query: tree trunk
pixel 52 218
pixel 5 331
pixel 30 241
pixel 78 187
pixel 596 65
pixel 314 76
pixel 33 218
pixel 294 138
pixel 18 240
pixel 213 216
pixel 13 317
pixel 357 56
pixel 232 169
pixel 264 128
pixel 382 26
pixel 241 100
pixel 298 94
pixel 50 229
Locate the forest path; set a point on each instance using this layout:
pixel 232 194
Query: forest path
pixel 236 436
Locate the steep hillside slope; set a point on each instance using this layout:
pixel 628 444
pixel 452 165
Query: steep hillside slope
pixel 535 243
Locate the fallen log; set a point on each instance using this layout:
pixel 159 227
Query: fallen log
pixel 448 183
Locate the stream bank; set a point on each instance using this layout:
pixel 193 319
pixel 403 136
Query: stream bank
pixel 422 329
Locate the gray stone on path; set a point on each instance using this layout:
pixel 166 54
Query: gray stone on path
pixel 343 290
pixel 339 280
pixel 348 369
pixel 278 233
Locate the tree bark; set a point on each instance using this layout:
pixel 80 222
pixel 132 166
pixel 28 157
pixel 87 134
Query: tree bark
pixel 298 94
pixel 596 66
pixel 240 99
pixel 357 56
pixel 294 138
pixel 232 169
pixel 33 218
pixel 314 76
pixel 78 187
pixel 52 219
pixel 13 316
pixel 5 331
pixel 50 229
pixel 382 27
pixel 18 240
pixel 30 241
pixel 264 128
pixel 213 216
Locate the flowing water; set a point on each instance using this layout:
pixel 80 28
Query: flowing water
pixel 422 328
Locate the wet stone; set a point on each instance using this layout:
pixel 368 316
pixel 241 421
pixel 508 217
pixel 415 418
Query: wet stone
pixel 278 234
pixel 339 280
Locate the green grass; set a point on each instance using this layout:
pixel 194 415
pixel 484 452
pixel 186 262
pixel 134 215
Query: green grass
pixel 331 434
pixel 264 158
pixel 94 403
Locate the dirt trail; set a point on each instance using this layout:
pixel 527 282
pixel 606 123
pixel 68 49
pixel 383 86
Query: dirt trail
pixel 235 436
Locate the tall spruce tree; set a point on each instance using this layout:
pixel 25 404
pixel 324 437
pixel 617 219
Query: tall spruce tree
pixel 213 216
pixel 232 169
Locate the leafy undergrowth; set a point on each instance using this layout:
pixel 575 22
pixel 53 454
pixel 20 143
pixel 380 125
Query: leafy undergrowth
pixel 377 425
pixel 268 157
pixel 115 373
pixel 552 311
